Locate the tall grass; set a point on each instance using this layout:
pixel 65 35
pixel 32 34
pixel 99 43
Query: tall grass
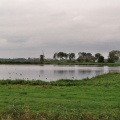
pixel 23 113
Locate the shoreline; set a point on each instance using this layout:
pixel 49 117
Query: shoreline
pixel 60 82
pixel 59 63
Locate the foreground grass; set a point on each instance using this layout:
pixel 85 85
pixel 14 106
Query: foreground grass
pixel 90 99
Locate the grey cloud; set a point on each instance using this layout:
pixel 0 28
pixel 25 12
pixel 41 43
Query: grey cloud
pixel 17 40
pixel 65 25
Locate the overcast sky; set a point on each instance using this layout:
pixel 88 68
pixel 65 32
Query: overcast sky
pixel 29 26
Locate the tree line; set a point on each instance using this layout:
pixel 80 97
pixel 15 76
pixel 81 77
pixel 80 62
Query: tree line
pixel 113 56
pixel 63 55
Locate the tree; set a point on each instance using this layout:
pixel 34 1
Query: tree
pixel 88 54
pixel 89 57
pixel 55 55
pixel 85 57
pixel 110 60
pixel 114 56
pixel 71 56
pixel 83 54
pixel 79 54
pixel 66 55
pixel 60 55
pixel 101 59
pixel 97 55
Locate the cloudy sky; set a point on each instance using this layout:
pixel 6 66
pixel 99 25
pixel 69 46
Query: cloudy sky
pixel 29 26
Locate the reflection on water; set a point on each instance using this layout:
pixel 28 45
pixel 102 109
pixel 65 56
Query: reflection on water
pixel 52 72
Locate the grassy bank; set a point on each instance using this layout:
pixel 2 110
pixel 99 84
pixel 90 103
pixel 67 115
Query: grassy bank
pixel 81 63
pixel 90 99
pixel 60 63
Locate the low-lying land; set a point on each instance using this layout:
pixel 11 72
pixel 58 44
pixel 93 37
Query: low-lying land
pixel 81 63
pixel 61 63
pixel 89 99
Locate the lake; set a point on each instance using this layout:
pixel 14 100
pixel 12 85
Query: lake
pixel 52 72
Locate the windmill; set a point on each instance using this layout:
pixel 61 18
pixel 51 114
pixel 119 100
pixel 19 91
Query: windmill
pixel 42 57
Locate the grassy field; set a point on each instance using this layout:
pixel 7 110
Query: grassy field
pixel 90 99
pixel 61 63
pixel 81 63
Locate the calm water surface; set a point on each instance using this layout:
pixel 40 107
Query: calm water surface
pixel 52 72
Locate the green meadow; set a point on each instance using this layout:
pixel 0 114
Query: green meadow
pixel 61 63
pixel 97 98
pixel 81 63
